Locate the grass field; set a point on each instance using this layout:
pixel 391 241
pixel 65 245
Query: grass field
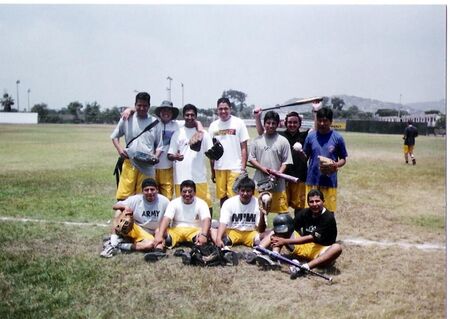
pixel 53 270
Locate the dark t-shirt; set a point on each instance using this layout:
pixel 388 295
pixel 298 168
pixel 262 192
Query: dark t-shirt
pixel 299 167
pixel 410 135
pixel 322 228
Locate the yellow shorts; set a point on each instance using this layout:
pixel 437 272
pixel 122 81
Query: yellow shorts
pixel 164 178
pixel 279 202
pixel 242 237
pixel 130 182
pixel 183 234
pixel 138 234
pixel 329 196
pixel 308 251
pixel 408 149
pixel 224 183
pixel 296 195
pixel 202 191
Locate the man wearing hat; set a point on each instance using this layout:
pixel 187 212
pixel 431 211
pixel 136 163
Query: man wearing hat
pixel 168 126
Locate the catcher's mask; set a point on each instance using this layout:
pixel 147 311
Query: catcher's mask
pixel 283 225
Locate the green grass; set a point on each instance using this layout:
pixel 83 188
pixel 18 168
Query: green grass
pixel 64 173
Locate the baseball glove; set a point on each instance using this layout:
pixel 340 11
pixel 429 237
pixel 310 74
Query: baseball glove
pixel 123 223
pixel 146 158
pixel 327 165
pixel 216 151
pixel 195 143
pixel 265 201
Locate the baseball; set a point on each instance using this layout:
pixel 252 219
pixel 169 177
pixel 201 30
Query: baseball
pixel 265 198
pixel 297 147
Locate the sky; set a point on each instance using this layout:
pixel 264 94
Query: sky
pixel 104 53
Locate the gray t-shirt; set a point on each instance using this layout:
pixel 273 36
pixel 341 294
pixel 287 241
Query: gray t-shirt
pixel 271 152
pixel 147 214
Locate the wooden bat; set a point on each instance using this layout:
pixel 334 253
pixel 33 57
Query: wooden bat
pixel 287 177
pixel 297 102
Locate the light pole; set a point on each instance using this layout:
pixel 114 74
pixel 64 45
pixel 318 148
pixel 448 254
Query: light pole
pixel 399 109
pixel 17 87
pixel 182 94
pixel 169 89
pixel 28 91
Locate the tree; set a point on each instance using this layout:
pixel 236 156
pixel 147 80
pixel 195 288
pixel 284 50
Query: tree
pixel 42 111
pixel 441 123
pixel 386 112
pixel 432 112
pixel 92 113
pixel 337 103
pixel 7 101
pixel 237 99
pixel 74 108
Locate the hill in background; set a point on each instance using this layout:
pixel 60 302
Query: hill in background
pixel 371 105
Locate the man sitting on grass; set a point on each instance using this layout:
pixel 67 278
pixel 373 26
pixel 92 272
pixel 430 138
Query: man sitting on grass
pixel 242 221
pixel 314 238
pixel 147 210
pixel 189 218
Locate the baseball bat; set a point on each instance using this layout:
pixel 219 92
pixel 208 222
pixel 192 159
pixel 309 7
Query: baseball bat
pixel 290 262
pixel 296 102
pixel 287 177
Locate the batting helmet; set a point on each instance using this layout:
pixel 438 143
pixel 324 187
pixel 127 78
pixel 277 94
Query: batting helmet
pixel 283 225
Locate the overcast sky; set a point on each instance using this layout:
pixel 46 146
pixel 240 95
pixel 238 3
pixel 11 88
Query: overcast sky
pixel 102 53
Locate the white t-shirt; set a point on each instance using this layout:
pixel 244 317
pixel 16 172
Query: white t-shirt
pixel 167 131
pixel 183 215
pixel 192 166
pixel 239 216
pixel 147 214
pixel 230 134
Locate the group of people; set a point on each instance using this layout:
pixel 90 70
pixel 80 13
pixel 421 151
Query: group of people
pixel 159 161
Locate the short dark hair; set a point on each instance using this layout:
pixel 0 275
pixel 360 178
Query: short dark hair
pixel 224 100
pixel 188 183
pixel 189 107
pixel 272 115
pixel 142 96
pixel 246 183
pixel 315 192
pixel 325 112
pixel 149 182
pixel 291 114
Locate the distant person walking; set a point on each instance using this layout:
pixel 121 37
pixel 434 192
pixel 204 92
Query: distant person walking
pixel 409 137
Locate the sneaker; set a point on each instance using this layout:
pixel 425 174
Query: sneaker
pixel 414 161
pixel 109 251
pixel 266 263
pixel 155 255
pixel 179 252
pixel 294 269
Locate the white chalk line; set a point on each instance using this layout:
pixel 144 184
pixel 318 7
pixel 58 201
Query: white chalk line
pixel 346 241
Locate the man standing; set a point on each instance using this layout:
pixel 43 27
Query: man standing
pixel 164 170
pixel 409 137
pixel 295 192
pixel 232 133
pixel 147 210
pixel 271 152
pixel 242 221
pixel 330 144
pixel 189 218
pixel 189 164
pixel 131 177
